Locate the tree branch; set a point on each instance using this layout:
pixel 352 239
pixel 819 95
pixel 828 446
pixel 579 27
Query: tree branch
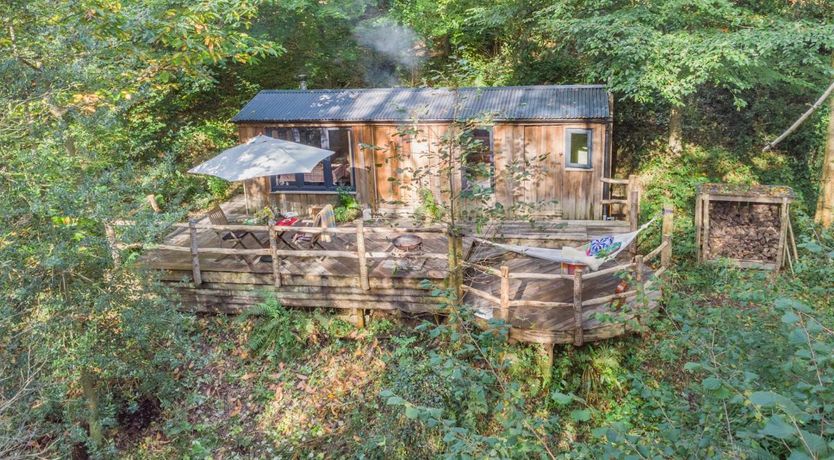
pixel 801 119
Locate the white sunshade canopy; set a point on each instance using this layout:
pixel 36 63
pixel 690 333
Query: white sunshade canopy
pixel 262 156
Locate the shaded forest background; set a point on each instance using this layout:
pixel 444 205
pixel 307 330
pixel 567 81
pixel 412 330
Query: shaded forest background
pixel 107 102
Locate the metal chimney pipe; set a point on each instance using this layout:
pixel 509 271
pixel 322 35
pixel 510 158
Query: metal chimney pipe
pixel 302 81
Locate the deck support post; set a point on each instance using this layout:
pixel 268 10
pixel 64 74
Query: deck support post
pixel 504 311
pixel 455 276
pixel 667 229
pixel 633 190
pixel 195 255
pixel 546 365
pixel 273 246
pixel 364 282
pixel 110 234
pixel 577 307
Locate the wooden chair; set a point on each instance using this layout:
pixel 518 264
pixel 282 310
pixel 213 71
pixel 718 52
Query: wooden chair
pixel 323 219
pixel 218 217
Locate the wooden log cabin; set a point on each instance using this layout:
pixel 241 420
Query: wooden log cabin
pixel 547 149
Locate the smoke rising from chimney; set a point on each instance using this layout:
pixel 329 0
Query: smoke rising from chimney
pixel 399 45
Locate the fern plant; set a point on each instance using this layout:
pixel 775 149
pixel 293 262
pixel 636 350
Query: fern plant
pixel 278 332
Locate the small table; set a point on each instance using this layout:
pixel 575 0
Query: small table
pixel 279 234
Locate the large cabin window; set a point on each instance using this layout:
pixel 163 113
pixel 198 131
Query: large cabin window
pixel 479 164
pixel 578 148
pixel 331 174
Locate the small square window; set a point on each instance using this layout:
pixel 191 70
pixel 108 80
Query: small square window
pixel 578 148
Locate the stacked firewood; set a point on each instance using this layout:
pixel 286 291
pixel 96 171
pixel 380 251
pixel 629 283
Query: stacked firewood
pixel 745 231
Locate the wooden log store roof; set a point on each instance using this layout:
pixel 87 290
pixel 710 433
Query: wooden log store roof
pixel 503 103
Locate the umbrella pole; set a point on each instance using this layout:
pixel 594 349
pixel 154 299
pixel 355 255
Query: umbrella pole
pixel 246 198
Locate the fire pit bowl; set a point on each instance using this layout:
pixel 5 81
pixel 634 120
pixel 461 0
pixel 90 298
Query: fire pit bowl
pixel 408 243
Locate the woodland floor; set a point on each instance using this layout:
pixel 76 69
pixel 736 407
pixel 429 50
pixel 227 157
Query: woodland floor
pixel 234 405
pixel 323 401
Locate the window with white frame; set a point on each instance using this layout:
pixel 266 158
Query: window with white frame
pixel 578 152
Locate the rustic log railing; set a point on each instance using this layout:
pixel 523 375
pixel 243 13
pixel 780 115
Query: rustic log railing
pixel 503 304
pixel 360 254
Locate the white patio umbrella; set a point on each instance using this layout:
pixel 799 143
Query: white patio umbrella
pixel 262 156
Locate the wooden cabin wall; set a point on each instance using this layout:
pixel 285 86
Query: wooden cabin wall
pixel 531 175
pixel 529 162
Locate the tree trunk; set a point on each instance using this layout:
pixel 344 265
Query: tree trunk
pixel 675 129
pixel 88 386
pixel 825 201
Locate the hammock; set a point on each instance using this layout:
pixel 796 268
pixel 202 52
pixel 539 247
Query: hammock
pixel 592 254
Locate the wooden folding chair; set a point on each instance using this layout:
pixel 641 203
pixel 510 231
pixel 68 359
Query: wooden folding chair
pixel 218 217
pixel 305 240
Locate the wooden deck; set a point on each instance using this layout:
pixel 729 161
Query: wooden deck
pixel 358 270
pixel 542 310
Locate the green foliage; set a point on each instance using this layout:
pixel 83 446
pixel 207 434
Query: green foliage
pixel 348 208
pixel 673 49
pixel 481 414
pixel 429 209
pixel 278 333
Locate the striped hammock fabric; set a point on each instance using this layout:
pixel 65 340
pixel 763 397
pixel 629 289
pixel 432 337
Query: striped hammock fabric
pixel 592 254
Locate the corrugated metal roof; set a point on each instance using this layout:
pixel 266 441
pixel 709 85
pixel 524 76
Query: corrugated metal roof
pixel 428 104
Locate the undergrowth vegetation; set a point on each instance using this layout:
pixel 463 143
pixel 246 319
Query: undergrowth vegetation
pixel 737 364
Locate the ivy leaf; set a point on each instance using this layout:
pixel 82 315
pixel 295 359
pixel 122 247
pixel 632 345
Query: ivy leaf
pixel 787 304
pixel 778 428
pixel 580 415
pixel 395 401
pixel 790 317
pixel 411 412
pixel 561 399
pixel 691 367
pixel 764 398
pixel 711 383
pixel 771 399
pixel 797 337
pixel 798 455
pixel 814 442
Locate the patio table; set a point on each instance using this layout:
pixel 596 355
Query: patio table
pixel 279 234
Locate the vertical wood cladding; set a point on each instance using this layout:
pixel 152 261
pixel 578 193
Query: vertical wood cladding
pixel 392 162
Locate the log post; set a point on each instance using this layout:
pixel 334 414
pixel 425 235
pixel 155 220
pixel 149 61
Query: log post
pixel 504 312
pixel 364 282
pixel 154 205
pixel 273 246
pixel 195 255
pixel 666 239
pixel 577 307
pixel 633 218
pixel 783 233
pixel 638 269
pixel 705 228
pixel 455 277
pixel 698 220
pixel 110 234
pixel 632 188
pixel 546 365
